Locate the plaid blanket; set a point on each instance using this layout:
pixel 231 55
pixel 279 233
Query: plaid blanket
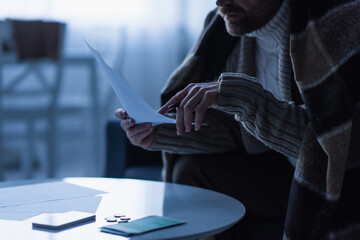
pixel 324 202
pixel 324 46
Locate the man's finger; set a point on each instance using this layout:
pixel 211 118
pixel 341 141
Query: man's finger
pixel 179 121
pixel 189 103
pixel 138 129
pixel 189 109
pixel 164 109
pixel 121 113
pixel 127 124
pixel 173 101
pixel 199 117
pixel 207 101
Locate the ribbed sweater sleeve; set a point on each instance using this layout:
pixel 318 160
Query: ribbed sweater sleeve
pixel 279 125
pixel 216 136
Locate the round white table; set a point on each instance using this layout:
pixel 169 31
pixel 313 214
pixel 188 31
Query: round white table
pixel 206 212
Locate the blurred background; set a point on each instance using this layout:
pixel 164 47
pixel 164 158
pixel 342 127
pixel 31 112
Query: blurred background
pixel 54 101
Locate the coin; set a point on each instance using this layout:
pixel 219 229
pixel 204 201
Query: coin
pixel 111 219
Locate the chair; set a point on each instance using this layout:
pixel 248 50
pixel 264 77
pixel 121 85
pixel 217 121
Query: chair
pixel 32 49
pixel 124 160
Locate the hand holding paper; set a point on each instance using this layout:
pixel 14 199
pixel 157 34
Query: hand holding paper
pixel 141 135
pixel 135 106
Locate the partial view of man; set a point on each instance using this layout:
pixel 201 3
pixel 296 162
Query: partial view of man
pixel 285 95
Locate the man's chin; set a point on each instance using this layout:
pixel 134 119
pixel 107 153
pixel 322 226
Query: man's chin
pixel 237 30
pixel 234 30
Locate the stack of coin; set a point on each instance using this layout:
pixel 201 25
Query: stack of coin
pixel 120 218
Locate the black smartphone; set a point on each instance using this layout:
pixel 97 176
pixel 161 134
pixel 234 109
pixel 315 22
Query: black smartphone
pixel 60 221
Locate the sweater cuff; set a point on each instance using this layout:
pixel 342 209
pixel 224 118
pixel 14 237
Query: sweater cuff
pixel 234 88
pixel 159 142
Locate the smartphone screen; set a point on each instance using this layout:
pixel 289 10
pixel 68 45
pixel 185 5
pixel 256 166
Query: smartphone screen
pixel 59 221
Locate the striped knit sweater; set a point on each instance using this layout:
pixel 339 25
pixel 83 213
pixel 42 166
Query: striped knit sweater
pixel 270 63
pixel 278 123
pixel 324 52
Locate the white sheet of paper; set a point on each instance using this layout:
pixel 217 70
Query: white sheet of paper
pixel 136 107
pixel 43 192
pixel 22 212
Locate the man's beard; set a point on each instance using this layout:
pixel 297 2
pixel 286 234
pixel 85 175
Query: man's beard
pixel 234 27
pixel 247 23
pixel 237 30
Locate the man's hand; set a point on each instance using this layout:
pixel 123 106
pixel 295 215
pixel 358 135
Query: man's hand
pixel 195 98
pixel 141 135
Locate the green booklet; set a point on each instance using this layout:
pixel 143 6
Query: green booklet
pixel 142 225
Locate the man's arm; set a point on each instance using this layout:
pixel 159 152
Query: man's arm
pixel 220 134
pixel 279 125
